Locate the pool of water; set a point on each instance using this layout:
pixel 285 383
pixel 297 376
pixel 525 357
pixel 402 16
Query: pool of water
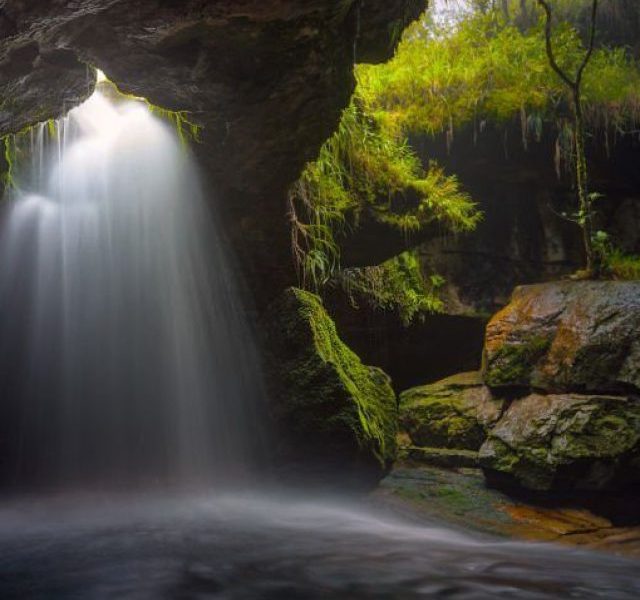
pixel 275 546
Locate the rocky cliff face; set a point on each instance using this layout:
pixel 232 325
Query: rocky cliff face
pixel 267 79
pixel 523 238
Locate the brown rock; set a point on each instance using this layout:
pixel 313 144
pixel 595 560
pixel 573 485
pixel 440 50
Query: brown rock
pixel 567 336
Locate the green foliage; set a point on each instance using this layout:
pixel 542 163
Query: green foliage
pixel 364 168
pixel 397 284
pixel 490 65
pixel 6 175
pixel 623 266
pixel 615 263
pixel 486 68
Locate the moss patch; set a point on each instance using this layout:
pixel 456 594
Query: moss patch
pixel 453 413
pixel 329 404
pixel 512 364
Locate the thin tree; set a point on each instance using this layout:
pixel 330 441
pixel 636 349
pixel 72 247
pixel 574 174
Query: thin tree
pixel 574 84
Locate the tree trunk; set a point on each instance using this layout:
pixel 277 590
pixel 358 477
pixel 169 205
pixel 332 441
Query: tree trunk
pixel 582 183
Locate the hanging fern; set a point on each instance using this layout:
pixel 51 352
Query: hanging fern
pixel 362 168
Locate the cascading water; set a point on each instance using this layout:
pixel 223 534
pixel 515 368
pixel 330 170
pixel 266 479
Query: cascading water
pixel 123 348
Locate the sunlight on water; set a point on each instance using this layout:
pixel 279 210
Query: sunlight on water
pixel 127 356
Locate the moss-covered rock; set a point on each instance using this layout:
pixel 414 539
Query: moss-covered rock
pixel 329 407
pixel 453 413
pixel 567 337
pixel 446 458
pixel 565 441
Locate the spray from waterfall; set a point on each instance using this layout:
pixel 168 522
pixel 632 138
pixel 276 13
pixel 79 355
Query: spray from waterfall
pixel 124 352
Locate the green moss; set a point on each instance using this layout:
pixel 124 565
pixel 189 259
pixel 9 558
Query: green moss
pixel 458 501
pixel 448 458
pixel 51 125
pixel 600 433
pixel 328 395
pixel 7 173
pixel 186 129
pixel 438 415
pixel 397 284
pixel 17 150
pixel 364 169
pixel 524 464
pixel 513 363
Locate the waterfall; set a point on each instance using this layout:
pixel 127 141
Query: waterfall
pixel 125 357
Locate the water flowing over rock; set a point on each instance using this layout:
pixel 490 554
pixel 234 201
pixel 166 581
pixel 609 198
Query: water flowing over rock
pixel 567 337
pixel 125 357
pixel 330 408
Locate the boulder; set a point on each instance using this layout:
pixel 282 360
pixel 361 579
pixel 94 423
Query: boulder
pixel 329 408
pixel 565 441
pixel 454 413
pixel 567 337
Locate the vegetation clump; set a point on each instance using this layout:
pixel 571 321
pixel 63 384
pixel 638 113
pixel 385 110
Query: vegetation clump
pixel 362 169
pixel 396 285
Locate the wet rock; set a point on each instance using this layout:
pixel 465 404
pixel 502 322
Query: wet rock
pixel 453 413
pixel 565 441
pixel 329 408
pixel 567 336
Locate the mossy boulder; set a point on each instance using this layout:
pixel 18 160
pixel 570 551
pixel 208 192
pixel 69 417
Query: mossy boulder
pixel 565 441
pixel 330 409
pixel 567 337
pixel 453 413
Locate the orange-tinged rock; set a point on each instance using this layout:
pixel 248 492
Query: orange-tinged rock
pixel 567 336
